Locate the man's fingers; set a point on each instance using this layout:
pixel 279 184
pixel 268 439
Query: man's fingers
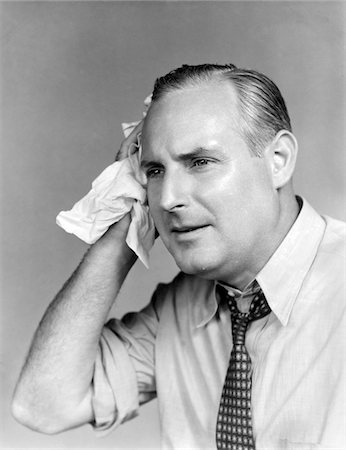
pixel 132 138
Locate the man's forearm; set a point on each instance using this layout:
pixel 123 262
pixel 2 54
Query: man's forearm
pixel 55 382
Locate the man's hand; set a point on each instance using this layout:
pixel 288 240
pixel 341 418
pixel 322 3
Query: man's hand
pixel 131 139
pixel 123 152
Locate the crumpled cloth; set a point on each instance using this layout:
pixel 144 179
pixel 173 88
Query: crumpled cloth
pixel 119 189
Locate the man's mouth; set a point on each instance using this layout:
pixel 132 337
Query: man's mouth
pixel 187 229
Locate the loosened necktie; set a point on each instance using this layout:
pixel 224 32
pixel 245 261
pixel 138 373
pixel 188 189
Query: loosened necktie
pixel 234 422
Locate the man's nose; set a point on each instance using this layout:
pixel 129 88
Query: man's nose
pixel 174 191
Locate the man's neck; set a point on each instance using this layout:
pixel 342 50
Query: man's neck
pixel 288 216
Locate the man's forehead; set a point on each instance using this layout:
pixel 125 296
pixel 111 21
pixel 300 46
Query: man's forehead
pixel 180 124
pixel 206 101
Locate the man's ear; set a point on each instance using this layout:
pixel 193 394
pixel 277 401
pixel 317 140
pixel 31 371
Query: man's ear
pixel 282 157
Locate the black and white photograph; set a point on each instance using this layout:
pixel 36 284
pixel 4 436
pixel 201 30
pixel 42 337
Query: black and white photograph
pixel 173 236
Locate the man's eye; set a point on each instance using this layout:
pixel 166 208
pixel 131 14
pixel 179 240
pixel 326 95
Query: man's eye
pixel 200 162
pixel 154 172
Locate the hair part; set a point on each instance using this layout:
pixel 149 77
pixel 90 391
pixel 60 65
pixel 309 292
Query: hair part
pixel 262 109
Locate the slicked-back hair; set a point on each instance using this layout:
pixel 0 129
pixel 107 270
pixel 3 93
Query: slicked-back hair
pixel 262 109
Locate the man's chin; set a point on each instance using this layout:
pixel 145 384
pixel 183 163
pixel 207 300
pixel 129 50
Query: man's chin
pixel 204 269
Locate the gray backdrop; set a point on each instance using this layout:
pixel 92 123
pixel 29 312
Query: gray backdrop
pixel 71 72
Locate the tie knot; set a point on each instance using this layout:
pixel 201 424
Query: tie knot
pixel 258 308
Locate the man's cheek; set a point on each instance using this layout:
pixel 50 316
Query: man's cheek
pixel 156 218
pixel 153 200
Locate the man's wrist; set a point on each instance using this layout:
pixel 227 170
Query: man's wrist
pixel 112 245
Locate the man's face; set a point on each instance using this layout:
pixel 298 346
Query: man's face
pixel 213 203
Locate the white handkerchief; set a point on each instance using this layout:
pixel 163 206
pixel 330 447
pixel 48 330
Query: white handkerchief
pixel 119 189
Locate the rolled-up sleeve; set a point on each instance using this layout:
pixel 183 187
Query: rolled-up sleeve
pixel 124 371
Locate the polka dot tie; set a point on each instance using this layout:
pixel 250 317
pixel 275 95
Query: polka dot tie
pixel 234 423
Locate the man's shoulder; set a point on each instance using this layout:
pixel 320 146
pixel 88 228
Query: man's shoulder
pixel 335 225
pixel 334 239
pixel 329 266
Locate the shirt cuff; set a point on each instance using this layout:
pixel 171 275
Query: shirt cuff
pixel 115 390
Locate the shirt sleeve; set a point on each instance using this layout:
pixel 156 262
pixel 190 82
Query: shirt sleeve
pixel 124 372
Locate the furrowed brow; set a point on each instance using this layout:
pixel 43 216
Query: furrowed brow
pixel 145 164
pixel 196 153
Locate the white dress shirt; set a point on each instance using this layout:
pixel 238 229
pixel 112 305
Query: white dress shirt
pixel 178 348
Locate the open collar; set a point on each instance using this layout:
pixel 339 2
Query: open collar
pixel 282 277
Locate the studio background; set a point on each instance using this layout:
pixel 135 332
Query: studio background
pixel 70 74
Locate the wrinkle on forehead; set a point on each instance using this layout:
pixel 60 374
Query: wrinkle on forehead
pixel 213 99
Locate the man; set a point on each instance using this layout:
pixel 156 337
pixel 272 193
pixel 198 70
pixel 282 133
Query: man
pixel 245 348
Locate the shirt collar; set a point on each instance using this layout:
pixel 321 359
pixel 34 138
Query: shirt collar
pixel 202 315
pixel 283 275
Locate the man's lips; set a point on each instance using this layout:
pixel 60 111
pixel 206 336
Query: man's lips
pixel 187 228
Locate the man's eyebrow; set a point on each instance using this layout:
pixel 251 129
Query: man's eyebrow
pixel 147 163
pixel 196 153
